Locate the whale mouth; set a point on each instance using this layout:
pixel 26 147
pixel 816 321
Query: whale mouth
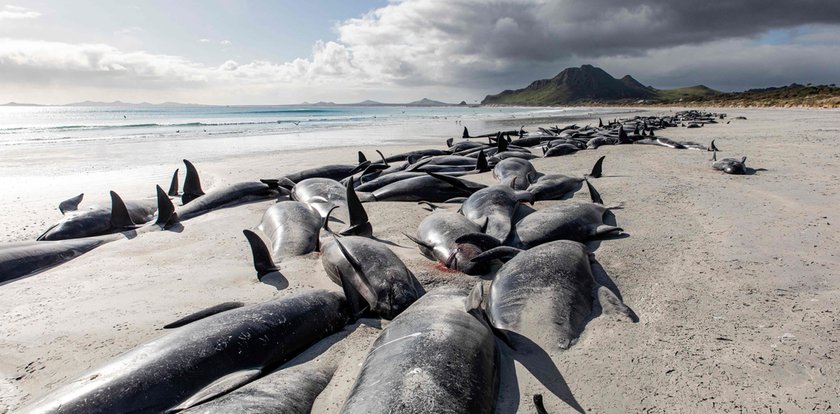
pixel 452 261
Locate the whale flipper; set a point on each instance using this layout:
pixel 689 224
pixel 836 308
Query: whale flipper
pixel 356 286
pixel 213 310
pixel 71 204
pixel 219 387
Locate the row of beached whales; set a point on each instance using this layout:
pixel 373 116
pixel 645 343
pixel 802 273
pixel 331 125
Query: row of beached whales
pixel 440 348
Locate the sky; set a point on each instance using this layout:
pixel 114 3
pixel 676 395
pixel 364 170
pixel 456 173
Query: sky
pixel 286 52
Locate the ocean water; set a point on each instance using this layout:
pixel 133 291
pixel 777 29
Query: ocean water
pixel 68 125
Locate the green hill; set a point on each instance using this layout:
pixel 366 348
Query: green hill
pixel 574 85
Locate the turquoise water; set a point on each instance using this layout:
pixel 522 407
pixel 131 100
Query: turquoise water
pixel 47 125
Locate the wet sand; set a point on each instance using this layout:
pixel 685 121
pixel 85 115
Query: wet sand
pixel 734 278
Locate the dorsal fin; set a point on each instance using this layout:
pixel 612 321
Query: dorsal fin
pixel 362 157
pixel 173 185
pixel 120 219
pixel 384 161
pixel 449 142
pixel 501 143
pixel 481 163
pixel 359 224
pixel 600 123
pixel 192 184
pixel 466 133
pixel 362 286
pixel 651 133
pixel 596 169
pixel 593 193
pixel 361 167
pixel 263 263
pixel 71 204
pixel 622 135
pixel 165 208
pixel 213 310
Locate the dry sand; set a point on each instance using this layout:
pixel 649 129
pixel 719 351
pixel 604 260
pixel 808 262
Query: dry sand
pixel 734 279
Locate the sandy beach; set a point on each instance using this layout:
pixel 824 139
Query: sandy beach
pixel 734 278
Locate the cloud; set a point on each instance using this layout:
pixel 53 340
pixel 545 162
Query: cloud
pixel 16 12
pixel 477 42
pixel 129 31
pixel 476 47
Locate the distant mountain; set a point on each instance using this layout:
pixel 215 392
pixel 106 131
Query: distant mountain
pixel 367 102
pixel 421 102
pixel 19 104
pixel 127 104
pixel 584 84
pixel 427 102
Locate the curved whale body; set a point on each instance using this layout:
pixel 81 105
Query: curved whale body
pixel 27 258
pixel 453 240
pixel 292 227
pixel 97 221
pixel 546 294
pixel 235 193
pixel 434 357
pixel 371 275
pixel 203 359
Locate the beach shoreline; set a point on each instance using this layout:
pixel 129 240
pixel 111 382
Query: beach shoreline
pixel 734 278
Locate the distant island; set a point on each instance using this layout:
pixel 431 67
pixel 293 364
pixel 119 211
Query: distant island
pixel 589 85
pixel 425 102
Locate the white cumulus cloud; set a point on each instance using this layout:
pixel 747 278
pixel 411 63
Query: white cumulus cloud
pixel 16 12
